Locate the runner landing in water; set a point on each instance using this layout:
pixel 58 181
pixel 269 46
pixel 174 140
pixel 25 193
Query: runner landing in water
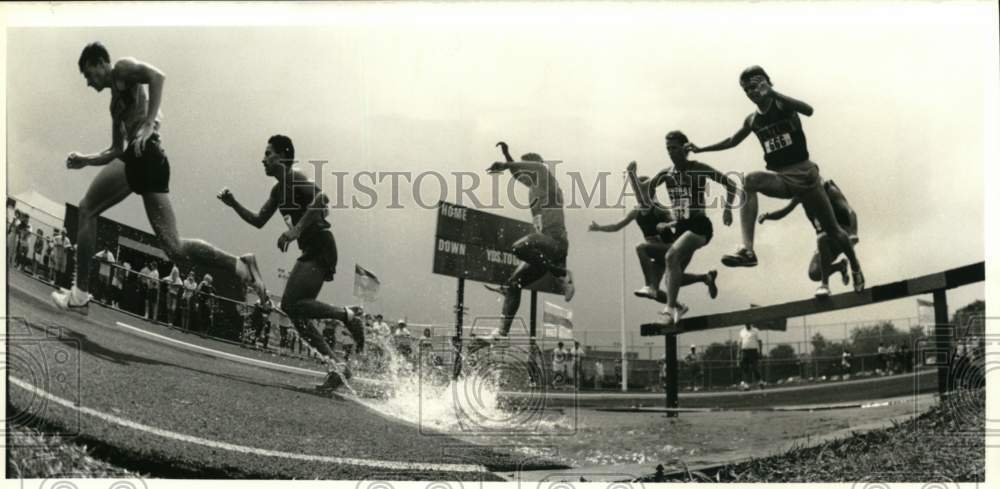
pixel 545 250
pixel 790 171
pixel 653 250
pixel 827 251
pixel 135 163
pixel 304 207
pixel 686 183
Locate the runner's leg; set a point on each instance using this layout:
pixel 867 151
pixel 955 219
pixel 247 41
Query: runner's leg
pixel 767 183
pixel 108 189
pixel 679 254
pixel 190 252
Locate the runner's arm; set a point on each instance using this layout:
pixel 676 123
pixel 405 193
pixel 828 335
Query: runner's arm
pixel 780 213
pixel 610 228
pixel 117 148
pixel 135 71
pixel 317 211
pixel 730 142
pixel 794 104
pixel 257 220
pixel 723 180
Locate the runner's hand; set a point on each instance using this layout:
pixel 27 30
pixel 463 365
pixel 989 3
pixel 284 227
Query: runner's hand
pixel 692 148
pixel 145 132
pixel 75 161
pixel 594 226
pixel 727 217
pixel 763 217
pixel 763 87
pixel 632 166
pixel 497 167
pixel 226 197
pixel 286 238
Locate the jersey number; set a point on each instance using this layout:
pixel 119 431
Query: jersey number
pixel 778 142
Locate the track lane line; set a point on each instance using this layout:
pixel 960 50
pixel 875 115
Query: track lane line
pixel 359 462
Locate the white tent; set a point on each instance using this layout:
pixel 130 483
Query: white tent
pixel 41 209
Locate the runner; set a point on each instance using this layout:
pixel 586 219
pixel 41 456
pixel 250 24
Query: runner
pixel 822 262
pixel 304 207
pixel 790 171
pixel 135 163
pixel 545 249
pixel 686 183
pixel 653 251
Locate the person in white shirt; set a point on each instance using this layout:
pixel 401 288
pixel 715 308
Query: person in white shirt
pixel 598 374
pixel 152 279
pixel 190 284
pixel 750 348
pixel 174 285
pixel 105 258
pixel 560 364
pixel 576 360
pixel 381 327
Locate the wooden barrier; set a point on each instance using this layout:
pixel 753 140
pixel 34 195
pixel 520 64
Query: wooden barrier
pixel 935 283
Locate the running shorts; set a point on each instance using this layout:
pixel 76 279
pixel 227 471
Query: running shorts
pixel 149 173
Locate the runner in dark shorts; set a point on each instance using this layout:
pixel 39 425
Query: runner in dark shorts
pixel 303 205
pixel 135 163
pixel 790 171
pixel 827 251
pixel 543 251
pixel 686 183
pixel 653 250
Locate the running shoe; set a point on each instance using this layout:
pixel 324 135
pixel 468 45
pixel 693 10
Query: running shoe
pixel 647 292
pixel 568 288
pixel 69 300
pixel 713 290
pixel 332 382
pixel 254 278
pixel 823 291
pixel 859 280
pixel 842 268
pixel 679 312
pixel 741 258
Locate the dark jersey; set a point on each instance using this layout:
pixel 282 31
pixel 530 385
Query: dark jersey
pixel 547 205
pixel 648 219
pixel 294 199
pixel 780 133
pixel 687 189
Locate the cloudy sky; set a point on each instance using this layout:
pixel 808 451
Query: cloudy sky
pixel 902 101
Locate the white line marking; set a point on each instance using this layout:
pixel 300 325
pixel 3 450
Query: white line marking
pixel 237 358
pixel 382 464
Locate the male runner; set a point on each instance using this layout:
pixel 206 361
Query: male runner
pixel 135 163
pixel 686 183
pixel 653 251
pixel 545 249
pixel 304 207
pixel 826 251
pixel 790 171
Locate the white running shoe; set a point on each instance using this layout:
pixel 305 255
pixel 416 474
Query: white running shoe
pixel 679 312
pixel 647 292
pixel 568 288
pixel 69 300
pixel 823 291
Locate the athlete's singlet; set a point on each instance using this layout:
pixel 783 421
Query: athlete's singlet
pixel 294 200
pixel 687 192
pixel 780 133
pixel 648 220
pixel 547 205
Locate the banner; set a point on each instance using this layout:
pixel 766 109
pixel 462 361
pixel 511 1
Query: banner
pixel 558 321
pixel 365 284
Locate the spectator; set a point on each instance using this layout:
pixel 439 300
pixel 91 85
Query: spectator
pixel 260 322
pixel 12 241
pixel 598 374
pixel 662 364
pixel 401 329
pixel 560 364
pixel 174 285
pixel 60 247
pixel 23 236
pixel 205 297
pixel 105 258
pixel 882 358
pixel 576 362
pixel 152 282
pixel 425 340
pixel 117 286
pixel 380 326
pixel 750 348
pixel 38 252
pixel 187 304
pixel 693 364
pixel 129 299
pixel 402 339
pixel 845 364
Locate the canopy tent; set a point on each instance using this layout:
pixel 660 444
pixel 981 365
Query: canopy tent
pixel 41 209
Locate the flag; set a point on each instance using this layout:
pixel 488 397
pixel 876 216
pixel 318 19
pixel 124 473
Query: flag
pixel 558 321
pixel 925 313
pixel 365 284
pixel 773 325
